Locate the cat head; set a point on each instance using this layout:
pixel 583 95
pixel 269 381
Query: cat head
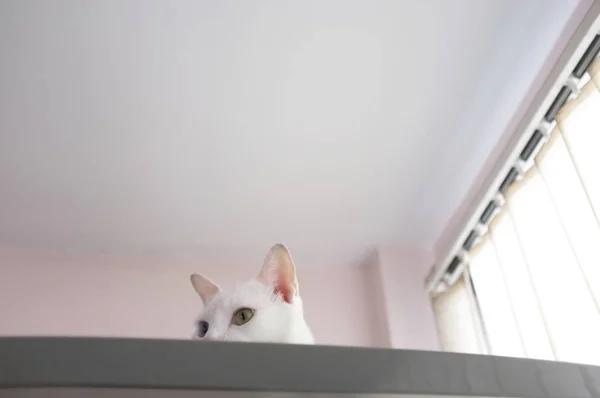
pixel 266 308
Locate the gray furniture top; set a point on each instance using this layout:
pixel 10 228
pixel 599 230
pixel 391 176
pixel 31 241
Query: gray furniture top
pixel 126 365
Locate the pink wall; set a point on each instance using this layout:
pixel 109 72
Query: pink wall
pixel 408 310
pixel 60 294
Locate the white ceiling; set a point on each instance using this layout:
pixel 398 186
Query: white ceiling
pixel 215 129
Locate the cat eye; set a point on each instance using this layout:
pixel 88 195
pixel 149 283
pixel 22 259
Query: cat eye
pixel 202 328
pixel 242 316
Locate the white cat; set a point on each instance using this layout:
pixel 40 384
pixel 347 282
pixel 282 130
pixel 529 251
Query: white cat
pixel 266 309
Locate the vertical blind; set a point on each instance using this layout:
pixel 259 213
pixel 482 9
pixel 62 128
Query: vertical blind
pixel 536 273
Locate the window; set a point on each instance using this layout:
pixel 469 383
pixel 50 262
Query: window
pixel 536 272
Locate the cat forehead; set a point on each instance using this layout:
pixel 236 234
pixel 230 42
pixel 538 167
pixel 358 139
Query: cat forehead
pixel 249 293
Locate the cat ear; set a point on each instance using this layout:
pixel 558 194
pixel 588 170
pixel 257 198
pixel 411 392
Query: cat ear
pixel 205 288
pixel 279 272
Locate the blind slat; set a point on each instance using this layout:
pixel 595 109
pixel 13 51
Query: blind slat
pixel 455 320
pixel 494 301
pixel 520 288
